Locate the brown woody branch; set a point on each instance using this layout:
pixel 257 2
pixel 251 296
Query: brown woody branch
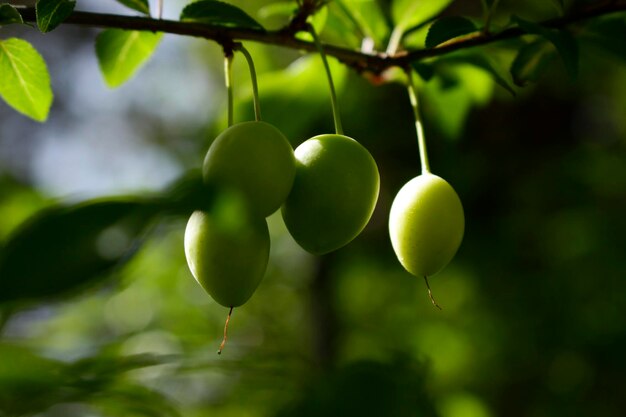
pixel 373 62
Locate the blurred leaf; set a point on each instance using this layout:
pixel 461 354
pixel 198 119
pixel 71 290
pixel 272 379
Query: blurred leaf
pixel 284 9
pixel 30 383
pixel 68 248
pixel 608 34
pixel 27 381
pixel 452 93
pixel 563 41
pixel 448 28
pixel 318 20
pixel 51 13
pixel 364 17
pixel 300 89
pixel 139 5
pixel 408 13
pixel 560 5
pixel 9 15
pixel 366 388
pixel 188 194
pixel 218 13
pixel 122 52
pixel 531 62
pixel 125 398
pixel 425 71
pixel 24 79
pixel 483 62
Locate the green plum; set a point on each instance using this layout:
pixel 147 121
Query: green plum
pixel 426 224
pixel 255 158
pixel 227 251
pixel 333 195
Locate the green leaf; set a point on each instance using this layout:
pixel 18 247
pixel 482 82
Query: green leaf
pixel 452 93
pixel 24 79
pixel 218 13
pixel 563 41
pixel 66 248
pixel 483 62
pixel 122 52
pixel 607 34
pixel 27 381
pixel 448 28
pixel 363 18
pixel 139 5
pixel 425 71
pixel 9 15
pixel 51 13
pixel 531 61
pixel 560 5
pixel 408 13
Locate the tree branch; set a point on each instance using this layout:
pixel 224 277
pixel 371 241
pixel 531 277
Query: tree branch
pixel 375 62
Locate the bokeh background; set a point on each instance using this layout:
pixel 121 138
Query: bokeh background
pixel 533 321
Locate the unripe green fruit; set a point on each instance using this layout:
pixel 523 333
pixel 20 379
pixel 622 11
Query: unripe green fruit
pixel 333 195
pixel 426 224
pixel 256 159
pixel 227 254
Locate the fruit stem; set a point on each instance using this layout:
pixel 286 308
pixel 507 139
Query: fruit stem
pixel 430 294
pixel 228 73
pixel 255 88
pixel 421 141
pixel 159 9
pixel 333 95
pixel 219 351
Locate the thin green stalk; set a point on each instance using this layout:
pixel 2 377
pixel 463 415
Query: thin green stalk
pixel 333 95
pixel 490 13
pixel 159 9
pixel 421 141
pixel 255 88
pixel 228 74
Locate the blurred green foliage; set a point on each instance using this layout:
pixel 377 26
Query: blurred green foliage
pixel 533 312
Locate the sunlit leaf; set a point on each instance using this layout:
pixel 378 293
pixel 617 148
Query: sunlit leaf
pixel 307 95
pixel 139 5
pixel 448 28
pixel 9 15
pixel 67 248
pixel 452 93
pixel 122 52
pixel 363 17
pixel 51 13
pixel 531 62
pixel 483 62
pixel 408 13
pixel 24 79
pixel 318 20
pixel 563 41
pixel 218 13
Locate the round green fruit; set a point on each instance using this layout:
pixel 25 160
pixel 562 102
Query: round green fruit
pixel 333 195
pixel 426 224
pixel 227 255
pixel 256 159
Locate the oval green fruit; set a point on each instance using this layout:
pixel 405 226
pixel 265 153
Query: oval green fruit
pixel 426 224
pixel 333 195
pixel 227 255
pixel 256 159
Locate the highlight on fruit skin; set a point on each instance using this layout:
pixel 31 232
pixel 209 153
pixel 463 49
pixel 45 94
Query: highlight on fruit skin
pixel 426 224
pixel 227 250
pixel 255 158
pixel 333 195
